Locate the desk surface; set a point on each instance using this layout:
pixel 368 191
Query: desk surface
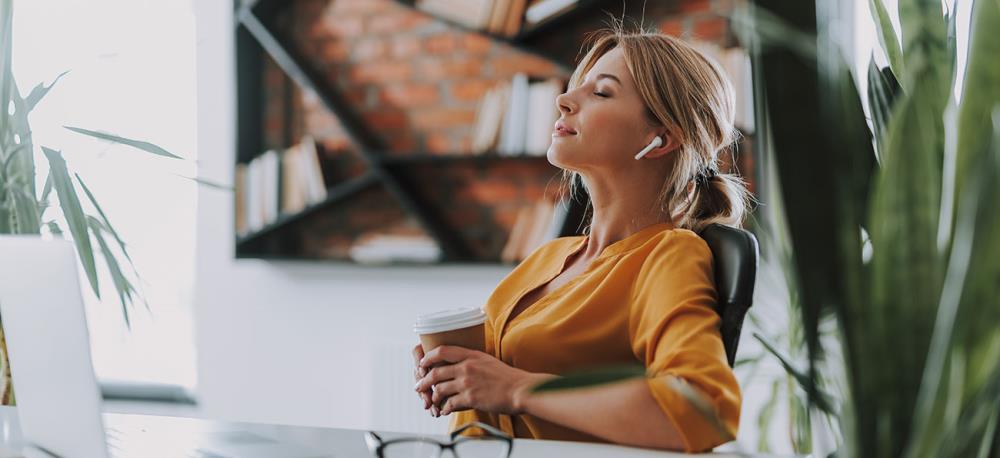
pixel 143 430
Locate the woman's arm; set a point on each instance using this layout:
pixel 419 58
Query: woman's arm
pixel 622 412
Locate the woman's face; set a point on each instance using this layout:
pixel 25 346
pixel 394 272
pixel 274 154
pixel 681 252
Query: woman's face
pixel 607 116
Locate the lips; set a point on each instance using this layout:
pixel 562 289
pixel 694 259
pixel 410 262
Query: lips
pixel 562 127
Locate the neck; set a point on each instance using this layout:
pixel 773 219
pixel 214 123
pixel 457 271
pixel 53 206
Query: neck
pixel 617 213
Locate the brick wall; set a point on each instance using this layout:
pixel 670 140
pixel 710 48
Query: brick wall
pixel 416 82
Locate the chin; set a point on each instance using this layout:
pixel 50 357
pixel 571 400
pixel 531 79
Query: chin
pixel 554 158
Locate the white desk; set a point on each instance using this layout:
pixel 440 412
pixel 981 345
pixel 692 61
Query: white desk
pixel 331 442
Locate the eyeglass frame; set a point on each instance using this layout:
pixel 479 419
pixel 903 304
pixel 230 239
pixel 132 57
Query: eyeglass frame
pixel 376 444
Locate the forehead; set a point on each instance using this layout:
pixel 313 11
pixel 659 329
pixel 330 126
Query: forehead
pixel 612 62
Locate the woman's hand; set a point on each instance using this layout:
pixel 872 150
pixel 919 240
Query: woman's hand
pixel 468 379
pixel 419 373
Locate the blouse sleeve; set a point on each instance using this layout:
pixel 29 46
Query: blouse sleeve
pixel 674 330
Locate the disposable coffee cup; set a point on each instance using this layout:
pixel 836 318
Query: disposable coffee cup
pixel 463 327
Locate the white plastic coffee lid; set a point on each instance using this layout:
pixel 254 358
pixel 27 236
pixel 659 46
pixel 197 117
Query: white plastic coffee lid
pixel 449 320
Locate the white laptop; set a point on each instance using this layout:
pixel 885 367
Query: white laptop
pixel 58 399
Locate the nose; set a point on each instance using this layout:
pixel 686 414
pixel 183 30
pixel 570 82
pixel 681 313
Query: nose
pixel 565 104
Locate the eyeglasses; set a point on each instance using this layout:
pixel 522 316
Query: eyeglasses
pixel 494 444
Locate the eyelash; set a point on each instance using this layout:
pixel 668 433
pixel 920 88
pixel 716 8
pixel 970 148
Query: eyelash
pixel 600 94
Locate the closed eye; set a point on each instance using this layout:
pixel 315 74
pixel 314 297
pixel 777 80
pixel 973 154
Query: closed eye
pixel 601 94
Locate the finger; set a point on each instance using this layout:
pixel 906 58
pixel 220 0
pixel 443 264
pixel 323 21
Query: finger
pixel 435 411
pixel 426 397
pixel 444 390
pixel 454 404
pixel 418 353
pixel 434 376
pixel 444 354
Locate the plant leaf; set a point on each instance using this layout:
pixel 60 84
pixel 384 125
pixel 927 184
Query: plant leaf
pixel 73 212
pixel 882 92
pixel 596 377
pixel 104 218
pixel 54 229
pixel 887 36
pixel 39 91
pixel 701 404
pixel 138 144
pixel 208 183
pixel 765 416
pixel 122 285
pixel 6 75
pixel 823 400
pixel 47 187
pixel 924 45
pixel 980 93
pixel 25 211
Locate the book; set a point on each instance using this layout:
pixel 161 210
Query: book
pixel 543 10
pixel 293 192
pixel 386 248
pixel 489 119
pixel 534 225
pixel 540 220
pixel 474 14
pixel 498 17
pixel 515 16
pixel 522 222
pixel 270 186
pixel 254 206
pixel 542 116
pixel 312 170
pixel 240 194
pixel 515 118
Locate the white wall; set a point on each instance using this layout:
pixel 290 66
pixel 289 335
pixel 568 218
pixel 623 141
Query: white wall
pixel 299 343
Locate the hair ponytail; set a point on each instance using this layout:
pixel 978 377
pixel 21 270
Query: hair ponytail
pixel 717 198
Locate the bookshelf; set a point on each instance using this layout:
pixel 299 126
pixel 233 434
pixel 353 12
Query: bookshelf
pixel 403 176
pixel 256 38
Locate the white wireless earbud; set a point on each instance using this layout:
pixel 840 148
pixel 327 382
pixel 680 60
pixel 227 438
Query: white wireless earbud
pixel 653 144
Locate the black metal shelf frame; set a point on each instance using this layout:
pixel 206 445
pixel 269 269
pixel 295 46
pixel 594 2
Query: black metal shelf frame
pixel 334 194
pixel 520 40
pixel 361 138
pixel 382 168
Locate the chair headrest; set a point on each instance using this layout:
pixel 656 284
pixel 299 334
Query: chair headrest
pixel 735 252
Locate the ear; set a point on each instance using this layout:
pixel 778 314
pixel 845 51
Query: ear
pixel 669 145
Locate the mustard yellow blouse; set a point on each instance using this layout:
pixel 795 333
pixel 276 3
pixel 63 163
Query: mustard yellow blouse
pixel 648 298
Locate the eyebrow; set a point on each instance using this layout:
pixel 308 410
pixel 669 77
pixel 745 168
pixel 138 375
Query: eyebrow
pixel 609 76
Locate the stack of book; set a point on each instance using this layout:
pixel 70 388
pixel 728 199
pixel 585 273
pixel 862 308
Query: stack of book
pixel 389 248
pixel 516 118
pixel 277 183
pixel 499 17
pixel 541 11
pixel 534 226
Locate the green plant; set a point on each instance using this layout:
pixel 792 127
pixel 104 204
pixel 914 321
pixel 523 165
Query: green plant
pixel 23 207
pixel 893 228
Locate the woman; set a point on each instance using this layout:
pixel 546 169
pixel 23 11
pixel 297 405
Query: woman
pixel 637 287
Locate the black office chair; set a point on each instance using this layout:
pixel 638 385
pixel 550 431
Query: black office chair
pixel 735 252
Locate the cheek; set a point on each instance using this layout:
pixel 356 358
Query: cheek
pixel 604 134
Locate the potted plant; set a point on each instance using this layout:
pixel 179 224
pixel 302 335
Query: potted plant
pixel 892 227
pixel 23 205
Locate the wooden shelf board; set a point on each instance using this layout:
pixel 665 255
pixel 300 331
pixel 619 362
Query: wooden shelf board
pixel 334 194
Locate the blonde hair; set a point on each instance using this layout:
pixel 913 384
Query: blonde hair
pixel 689 95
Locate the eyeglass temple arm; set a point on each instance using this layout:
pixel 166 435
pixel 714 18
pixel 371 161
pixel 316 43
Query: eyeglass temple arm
pixel 489 429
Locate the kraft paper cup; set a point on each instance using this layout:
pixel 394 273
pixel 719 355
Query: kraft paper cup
pixel 463 327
